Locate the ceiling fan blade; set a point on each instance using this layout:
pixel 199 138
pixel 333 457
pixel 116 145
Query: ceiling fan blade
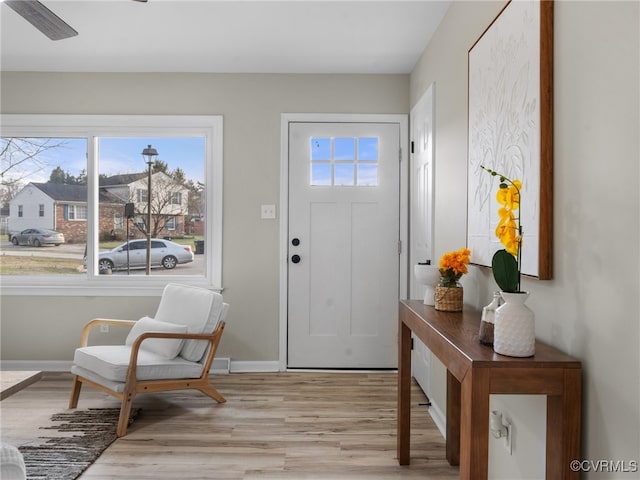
pixel 42 18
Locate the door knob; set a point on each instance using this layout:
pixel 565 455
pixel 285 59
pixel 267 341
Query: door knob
pixel 295 259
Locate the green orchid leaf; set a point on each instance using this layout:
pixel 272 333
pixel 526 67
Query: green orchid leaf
pixel 505 271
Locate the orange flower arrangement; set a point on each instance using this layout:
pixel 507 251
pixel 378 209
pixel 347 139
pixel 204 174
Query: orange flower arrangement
pixel 452 266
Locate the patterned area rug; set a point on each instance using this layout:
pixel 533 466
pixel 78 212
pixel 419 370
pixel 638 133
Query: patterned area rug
pixel 85 435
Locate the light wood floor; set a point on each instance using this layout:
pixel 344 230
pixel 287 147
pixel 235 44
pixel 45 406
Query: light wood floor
pixel 273 426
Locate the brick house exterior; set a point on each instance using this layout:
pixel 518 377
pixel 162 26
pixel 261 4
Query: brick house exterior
pixel 76 230
pixel 63 208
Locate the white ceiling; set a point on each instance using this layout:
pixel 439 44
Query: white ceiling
pixel 295 36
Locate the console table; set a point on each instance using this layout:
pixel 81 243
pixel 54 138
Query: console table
pixel 475 371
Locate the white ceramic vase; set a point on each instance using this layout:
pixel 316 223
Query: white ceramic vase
pixel 514 334
pixel 427 275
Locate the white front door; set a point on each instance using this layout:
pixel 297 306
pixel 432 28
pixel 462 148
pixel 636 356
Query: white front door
pixel 343 245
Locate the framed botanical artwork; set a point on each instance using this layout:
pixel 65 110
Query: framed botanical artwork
pixel 511 131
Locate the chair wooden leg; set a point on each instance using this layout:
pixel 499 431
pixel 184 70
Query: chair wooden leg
pixel 125 412
pixel 208 389
pixel 75 392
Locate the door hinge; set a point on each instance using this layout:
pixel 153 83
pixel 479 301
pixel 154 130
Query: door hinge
pixel 412 147
pixel 400 155
pixel 399 247
pixel 411 343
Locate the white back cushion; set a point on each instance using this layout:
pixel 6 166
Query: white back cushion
pixel 197 308
pixel 165 347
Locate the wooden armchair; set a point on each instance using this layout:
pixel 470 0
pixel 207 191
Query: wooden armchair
pixel 172 351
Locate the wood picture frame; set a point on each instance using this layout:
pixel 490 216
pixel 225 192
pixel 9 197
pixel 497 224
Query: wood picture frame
pixel 511 131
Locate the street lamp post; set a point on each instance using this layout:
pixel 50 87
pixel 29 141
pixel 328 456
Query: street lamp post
pixel 149 154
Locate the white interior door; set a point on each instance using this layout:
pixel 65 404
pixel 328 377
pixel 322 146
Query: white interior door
pixel 343 253
pixel 421 212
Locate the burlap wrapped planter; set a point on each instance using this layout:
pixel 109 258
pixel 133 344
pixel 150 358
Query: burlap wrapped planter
pixel 448 299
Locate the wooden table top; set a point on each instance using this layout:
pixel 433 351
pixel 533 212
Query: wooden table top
pixel 460 331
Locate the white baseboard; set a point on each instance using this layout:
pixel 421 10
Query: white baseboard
pixel 242 366
pixel 220 366
pixel 40 365
pixel 438 418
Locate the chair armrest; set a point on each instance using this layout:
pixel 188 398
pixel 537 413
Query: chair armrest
pixel 135 346
pixel 210 337
pixel 84 337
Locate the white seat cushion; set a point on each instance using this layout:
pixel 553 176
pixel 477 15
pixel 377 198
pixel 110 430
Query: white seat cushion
pixel 110 384
pixel 197 308
pixel 165 347
pixel 112 361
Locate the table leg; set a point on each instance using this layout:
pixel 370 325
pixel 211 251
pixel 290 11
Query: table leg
pixel 404 393
pixel 563 427
pixel 474 425
pixel 453 420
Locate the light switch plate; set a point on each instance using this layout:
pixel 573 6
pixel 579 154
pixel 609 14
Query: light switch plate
pixel 267 212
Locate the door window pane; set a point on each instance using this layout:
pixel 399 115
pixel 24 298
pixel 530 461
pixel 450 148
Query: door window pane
pixel 367 175
pixel 335 161
pixel 368 149
pixel 344 149
pixel 320 149
pixel 321 174
pixel 344 175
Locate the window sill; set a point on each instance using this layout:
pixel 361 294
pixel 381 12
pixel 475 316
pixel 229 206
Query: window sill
pixel 103 287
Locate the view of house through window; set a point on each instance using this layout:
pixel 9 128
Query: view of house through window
pixel 48 203
pixel 43 195
pixel 161 197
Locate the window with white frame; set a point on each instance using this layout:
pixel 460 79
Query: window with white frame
pixel 75 212
pixel 118 223
pixel 142 195
pixel 175 198
pixel 171 223
pixel 93 170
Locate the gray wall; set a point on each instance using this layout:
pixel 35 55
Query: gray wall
pixel 251 106
pixel 590 309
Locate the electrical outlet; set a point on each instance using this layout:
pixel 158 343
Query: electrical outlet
pixel 104 328
pixel 267 212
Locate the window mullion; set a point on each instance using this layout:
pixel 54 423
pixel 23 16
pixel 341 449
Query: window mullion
pixel 92 203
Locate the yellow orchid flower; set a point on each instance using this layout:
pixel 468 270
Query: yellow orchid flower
pixel 509 232
pixel 510 196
